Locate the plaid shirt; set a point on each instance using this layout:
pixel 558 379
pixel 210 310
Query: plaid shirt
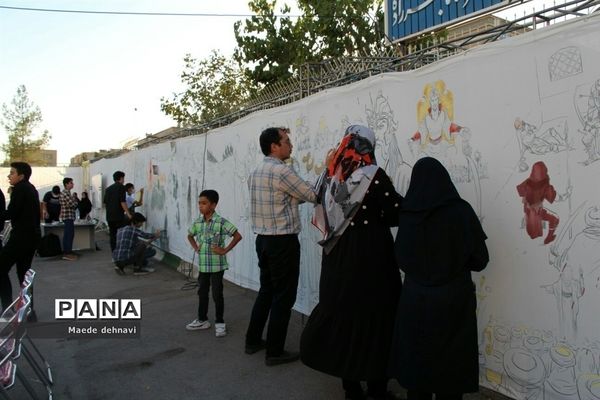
pixel 68 205
pixel 275 192
pixel 127 240
pixel 207 233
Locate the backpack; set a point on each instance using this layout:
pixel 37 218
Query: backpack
pixel 49 246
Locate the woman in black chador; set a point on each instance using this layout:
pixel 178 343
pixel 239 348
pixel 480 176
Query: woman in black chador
pixel 85 206
pixel 349 332
pixel 439 242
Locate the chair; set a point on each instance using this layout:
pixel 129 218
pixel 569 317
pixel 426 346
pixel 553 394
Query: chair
pixel 16 315
pixel 8 368
pixel 27 288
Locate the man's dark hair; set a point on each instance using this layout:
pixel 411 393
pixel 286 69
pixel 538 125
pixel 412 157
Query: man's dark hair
pixel 211 195
pixel 22 168
pixel 118 175
pixel 268 137
pixel 128 185
pixel 55 189
pixel 138 217
pixel 66 181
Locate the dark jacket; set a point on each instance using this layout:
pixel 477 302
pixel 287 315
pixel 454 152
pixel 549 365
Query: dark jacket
pixel 114 195
pixel 24 211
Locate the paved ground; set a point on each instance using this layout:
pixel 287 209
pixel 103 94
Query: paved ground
pixel 166 362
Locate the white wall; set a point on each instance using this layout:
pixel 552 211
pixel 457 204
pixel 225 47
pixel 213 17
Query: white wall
pixel 517 101
pixel 43 178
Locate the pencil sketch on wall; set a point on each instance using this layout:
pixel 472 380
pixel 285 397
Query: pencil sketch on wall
pixel 587 107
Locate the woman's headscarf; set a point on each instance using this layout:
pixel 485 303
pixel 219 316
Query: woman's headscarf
pixel 354 151
pixel 438 232
pixel 343 185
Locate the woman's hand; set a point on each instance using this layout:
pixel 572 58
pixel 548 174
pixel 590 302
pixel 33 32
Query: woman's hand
pixel 329 157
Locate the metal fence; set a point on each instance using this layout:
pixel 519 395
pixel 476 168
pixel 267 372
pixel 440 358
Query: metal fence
pixel 315 77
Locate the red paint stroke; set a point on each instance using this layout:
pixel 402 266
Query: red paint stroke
pixel 534 190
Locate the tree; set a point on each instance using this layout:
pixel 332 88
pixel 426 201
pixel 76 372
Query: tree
pixel 273 46
pixel 19 121
pixel 214 87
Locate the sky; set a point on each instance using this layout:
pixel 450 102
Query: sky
pixel 98 79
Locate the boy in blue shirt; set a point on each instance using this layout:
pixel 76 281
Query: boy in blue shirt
pixel 207 237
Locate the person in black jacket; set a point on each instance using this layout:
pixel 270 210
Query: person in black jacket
pixel 116 207
pixel 24 214
pixel 439 242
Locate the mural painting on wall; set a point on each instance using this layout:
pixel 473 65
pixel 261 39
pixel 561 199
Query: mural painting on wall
pixel 157 199
pixel 440 137
pixel 537 305
pixel 309 160
pixel 523 361
pixel 534 191
pixel 380 118
pixel 528 363
pixel 551 137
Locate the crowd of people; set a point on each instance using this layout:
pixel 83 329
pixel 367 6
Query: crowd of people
pixel 370 325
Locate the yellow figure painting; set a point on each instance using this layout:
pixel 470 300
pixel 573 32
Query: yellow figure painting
pixel 435 117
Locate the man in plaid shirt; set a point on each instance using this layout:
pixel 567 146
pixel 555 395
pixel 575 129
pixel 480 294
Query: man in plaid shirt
pixel 131 250
pixel 68 205
pixel 276 190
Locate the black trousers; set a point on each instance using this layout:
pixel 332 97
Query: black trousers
pixel 205 279
pixel 18 251
pixel 113 227
pixel 279 263
pixel 354 391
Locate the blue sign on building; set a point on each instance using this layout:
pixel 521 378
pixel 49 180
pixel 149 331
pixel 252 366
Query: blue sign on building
pixel 407 17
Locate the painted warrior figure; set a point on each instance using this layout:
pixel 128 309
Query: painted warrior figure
pixel 539 141
pixel 534 190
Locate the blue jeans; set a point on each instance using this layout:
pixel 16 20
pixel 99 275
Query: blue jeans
pixel 68 235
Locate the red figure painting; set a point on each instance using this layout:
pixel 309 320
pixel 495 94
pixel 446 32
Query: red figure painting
pixel 534 190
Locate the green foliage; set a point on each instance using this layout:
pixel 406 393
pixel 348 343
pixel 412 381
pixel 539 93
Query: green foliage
pixel 214 87
pixel 20 118
pixel 273 46
pixel 429 39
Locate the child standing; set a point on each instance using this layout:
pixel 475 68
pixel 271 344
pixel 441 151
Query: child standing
pixel 207 237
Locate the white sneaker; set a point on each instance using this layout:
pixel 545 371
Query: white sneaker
pixel 197 324
pixel 220 330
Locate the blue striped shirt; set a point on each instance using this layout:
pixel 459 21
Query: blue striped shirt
pixel 276 190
